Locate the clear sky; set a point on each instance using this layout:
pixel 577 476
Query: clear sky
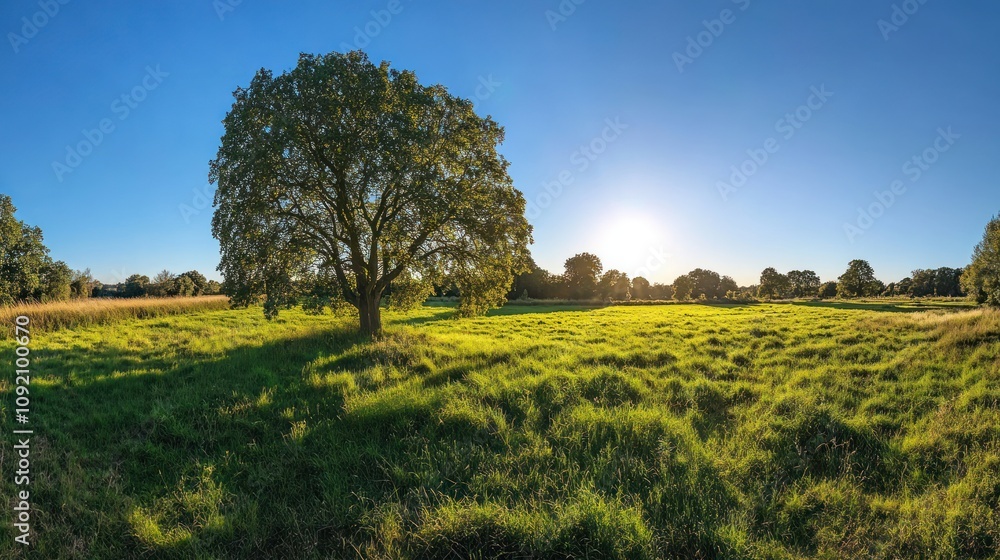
pixel 647 128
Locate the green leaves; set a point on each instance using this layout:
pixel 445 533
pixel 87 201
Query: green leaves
pixel 26 270
pixel 982 278
pixel 357 174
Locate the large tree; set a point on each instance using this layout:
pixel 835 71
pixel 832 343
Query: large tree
pixel 982 278
pixel 341 176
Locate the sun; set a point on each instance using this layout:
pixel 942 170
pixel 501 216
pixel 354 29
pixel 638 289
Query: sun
pixel 626 240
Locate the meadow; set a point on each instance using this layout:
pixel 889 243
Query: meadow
pixel 808 430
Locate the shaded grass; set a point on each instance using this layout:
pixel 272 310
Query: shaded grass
pixel 768 431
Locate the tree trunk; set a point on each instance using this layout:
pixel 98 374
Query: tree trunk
pixel 371 314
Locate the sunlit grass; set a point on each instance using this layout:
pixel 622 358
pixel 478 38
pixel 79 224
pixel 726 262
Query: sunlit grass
pixel 79 313
pixel 759 431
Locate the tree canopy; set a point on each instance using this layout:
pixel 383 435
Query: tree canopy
pixel 982 277
pixel 341 176
pixel 583 272
pixel 859 281
pixel 27 273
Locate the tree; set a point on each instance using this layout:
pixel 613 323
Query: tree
pixel 661 292
pixel 726 285
pixel 614 285
pixel 948 282
pixel 705 283
pixel 922 284
pixel 582 272
pixel 136 285
pixel 859 281
pixel 982 278
pixel 199 281
pixel 353 174
pixel 683 287
pixel 163 284
pixel 828 290
pixel 803 283
pixel 773 284
pixel 640 288
pixel 23 256
pixel 904 286
pixel 184 286
pixel 81 284
pixel 56 280
pixel 536 281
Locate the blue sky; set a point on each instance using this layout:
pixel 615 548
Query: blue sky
pixel 647 128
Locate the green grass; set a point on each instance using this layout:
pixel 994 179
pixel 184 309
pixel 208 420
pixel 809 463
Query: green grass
pixel 759 431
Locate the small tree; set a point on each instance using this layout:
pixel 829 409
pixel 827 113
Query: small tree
pixel 582 275
pixel 199 281
pixel 683 287
pixel 982 278
pixel 82 284
pixel 185 286
pixel 727 285
pixel 23 256
pixel 56 282
pixel 859 281
pixel 163 284
pixel 614 285
pixel 705 284
pixel 828 290
pixel 640 288
pixel 803 283
pixel 773 284
pixel 136 285
pixel 661 292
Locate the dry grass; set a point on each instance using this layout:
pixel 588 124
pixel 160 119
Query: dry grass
pixel 78 313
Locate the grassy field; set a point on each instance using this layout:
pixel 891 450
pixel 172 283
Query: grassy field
pixel 99 311
pixel 766 431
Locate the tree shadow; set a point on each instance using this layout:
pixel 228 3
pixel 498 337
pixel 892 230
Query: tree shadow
pixel 508 310
pixel 184 454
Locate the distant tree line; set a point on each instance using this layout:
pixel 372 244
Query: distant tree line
pixel 28 273
pixel 164 284
pixel 584 278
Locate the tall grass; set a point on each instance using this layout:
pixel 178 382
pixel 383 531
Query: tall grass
pixel 79 313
